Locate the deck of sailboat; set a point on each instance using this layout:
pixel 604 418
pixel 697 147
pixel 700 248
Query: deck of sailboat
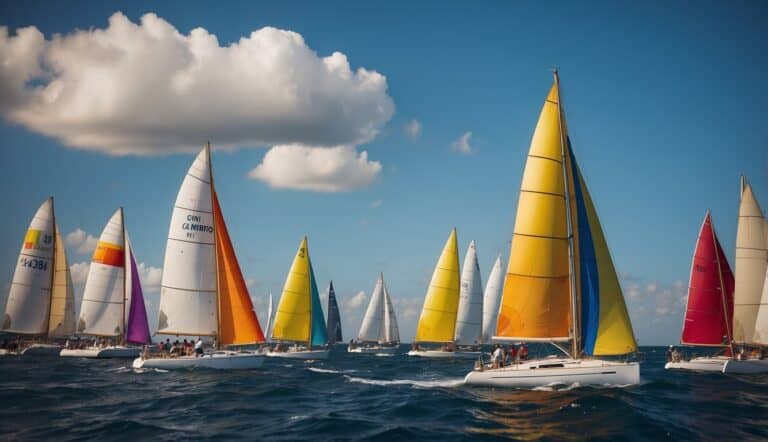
pixel 220 359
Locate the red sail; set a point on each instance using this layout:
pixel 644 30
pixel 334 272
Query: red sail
pixel 709 312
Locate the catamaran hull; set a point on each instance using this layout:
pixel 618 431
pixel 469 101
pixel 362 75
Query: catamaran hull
pixel 300 354
pixel 749 366
pixel 219 360
pixel 715 364
pixel 42 350
pixel 374 350
pixel 115 352
pixel 544 372
pixel 444 354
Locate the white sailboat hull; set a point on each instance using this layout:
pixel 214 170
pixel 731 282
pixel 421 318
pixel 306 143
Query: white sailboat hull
pixel 117 351
pixel 749 366
pixel 220 360
pixel 42 350
pixel 300 354
pixel 444 354
pixel 379 350
pixel 714 364
pixel 543 372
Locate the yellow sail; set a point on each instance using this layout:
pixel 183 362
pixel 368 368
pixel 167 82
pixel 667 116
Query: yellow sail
pixel 62 319
pixel 438 316
pixel 294 313
pixel 536 297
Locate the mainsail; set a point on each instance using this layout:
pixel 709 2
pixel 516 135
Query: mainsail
pixel 29 299
pixel 469 321
pixel 379 323
pixel 270 318
pixel 62 318
pixel 750 269
pixel 103 307
pixel 293 318
pixel 561 284
pixel 437 322
pixel 709 308
pixel 390 333
pixel 491 298
pixel 334 319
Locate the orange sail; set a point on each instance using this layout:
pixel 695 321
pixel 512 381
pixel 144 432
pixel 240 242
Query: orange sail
pixel 238 324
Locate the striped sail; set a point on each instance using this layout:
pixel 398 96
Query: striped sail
pixel 294 311
pixel 319 332
pixel 390 333
pixel 469 322
pixel 103 306
pixel 437 322
pixel 29 299
pixel 373 320
pixel 238 324
pixel 709 308
pixel 334 319
pixel 188 286
pixel 536 299
pixel 62 317
pixel 750 268
pixel 491 298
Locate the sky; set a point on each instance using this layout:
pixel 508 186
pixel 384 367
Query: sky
pixel 374 129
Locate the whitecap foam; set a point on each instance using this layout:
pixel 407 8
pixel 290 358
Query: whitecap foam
pixel 416 383
pixel 323 370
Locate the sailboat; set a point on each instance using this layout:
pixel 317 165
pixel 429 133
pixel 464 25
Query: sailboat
pixel 561 286
pixel 709 309
pixel 112 292
pixel 469 319
pixel 750 296
pixel 378 331
pixel 334 320
pixel 299 325
pixel 41 301
pixel 491 299
pixel 437 323
pixel 203 292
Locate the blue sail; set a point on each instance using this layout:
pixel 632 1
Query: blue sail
pixel 319 332
pixel 334 320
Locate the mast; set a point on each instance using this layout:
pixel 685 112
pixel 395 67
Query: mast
pixel 571 264
pixel 722 285
pixel 53 269
pixel 126 265
pixel 215 245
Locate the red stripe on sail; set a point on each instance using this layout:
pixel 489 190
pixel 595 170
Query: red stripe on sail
pixel 705 321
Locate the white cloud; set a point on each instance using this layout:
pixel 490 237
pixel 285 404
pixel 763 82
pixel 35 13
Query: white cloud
pixel 376 204
pixel 79 272
pixel 413 128
pixel 462 144
pixel 300 167
pixel 150 277
pixel 146 88
pixel 355 301
pixel 83 243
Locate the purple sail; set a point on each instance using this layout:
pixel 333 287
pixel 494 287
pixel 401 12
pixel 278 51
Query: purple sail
pixel 138 327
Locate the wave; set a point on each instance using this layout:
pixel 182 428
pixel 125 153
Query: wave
pixel 417 383
pixel 327 370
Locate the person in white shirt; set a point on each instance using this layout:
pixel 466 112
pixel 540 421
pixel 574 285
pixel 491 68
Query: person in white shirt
pixel 199 347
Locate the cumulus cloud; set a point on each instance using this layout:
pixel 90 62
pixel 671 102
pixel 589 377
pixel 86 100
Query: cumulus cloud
pixel 356 301
pixel 462 144
pixel 376 204
pixel 79 272
pixel 146 88
pixel 412 128
pixel 150 277
pixel 83 243
pixel 300 167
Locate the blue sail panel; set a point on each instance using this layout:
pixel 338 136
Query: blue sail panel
pixel 319 332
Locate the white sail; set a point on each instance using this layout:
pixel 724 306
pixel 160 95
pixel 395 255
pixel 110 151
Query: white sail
pixel 761 324
pixel 491 300
pixel 29 299
pixel 101 312
pixel 469 322
pixel 750 268
pixel 188 287
pixel 390 333
pixel 370 329
pixel 62 316
pixel 270 319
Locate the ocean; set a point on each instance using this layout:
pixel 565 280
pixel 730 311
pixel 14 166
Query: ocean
pixel 354 396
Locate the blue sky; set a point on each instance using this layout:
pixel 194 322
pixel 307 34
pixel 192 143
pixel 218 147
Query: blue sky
pixel 665 105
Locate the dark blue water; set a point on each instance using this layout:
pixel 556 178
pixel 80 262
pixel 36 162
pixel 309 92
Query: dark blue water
pixel 353 396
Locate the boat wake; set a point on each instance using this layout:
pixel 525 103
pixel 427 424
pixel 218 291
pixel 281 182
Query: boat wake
pixel 326 370
pixel 438 383
pixel 556 386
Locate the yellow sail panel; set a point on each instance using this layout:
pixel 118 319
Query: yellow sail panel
pixel 441 304
pixel 238 324
pixel 62 319
pixel 294 313
pixel 536 298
